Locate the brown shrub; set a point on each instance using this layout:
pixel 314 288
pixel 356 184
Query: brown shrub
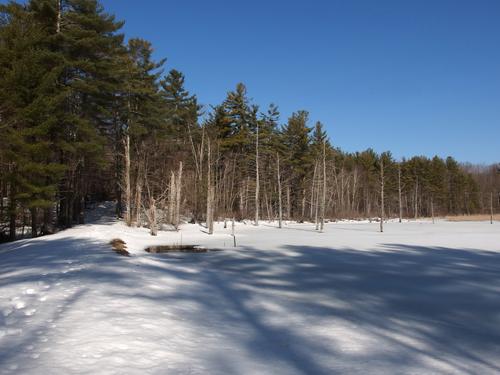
pixel 119 247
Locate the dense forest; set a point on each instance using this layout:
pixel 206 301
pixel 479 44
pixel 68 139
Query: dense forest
pixel 86 116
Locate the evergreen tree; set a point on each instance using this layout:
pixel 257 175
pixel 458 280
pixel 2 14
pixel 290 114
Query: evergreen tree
pixel 298 159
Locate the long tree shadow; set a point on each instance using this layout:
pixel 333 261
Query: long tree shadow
pixel 294 306
pixel 426 303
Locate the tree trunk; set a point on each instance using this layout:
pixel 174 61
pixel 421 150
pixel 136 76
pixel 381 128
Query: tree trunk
pixel 313 191
pixel 178 197
pixel 12 214
pixel 210 224
pixel 382 214
pixel 323 200
pixel 316 204
pixel 257 182
pixel 34 231
pixel 138 200
pixel 416 199
pixel 152 217
pixel 288 208
pixel 399 196
pixel 128 193
pixel 280 211
pixel 171 199
pixel 59 16
pixel 491 208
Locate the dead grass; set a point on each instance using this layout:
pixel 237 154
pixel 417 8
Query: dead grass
pixel 479 217
pixel 119 247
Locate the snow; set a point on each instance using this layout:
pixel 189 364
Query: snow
pixel 419 298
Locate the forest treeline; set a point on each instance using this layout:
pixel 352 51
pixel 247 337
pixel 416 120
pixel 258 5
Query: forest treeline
pixel 86 116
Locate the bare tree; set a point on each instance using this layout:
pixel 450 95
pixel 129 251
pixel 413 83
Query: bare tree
pixel 171 198
pixel 178 186
pixel 210 192
pixel 280 210
pixel 288 206
pixel 151 210
pixel 313 190
pixel 491 208
pixel 316 201
pixel 323 200
pixel 399 195
pixel 152 217
pixel 257 182
pixel 138 198
pixel 128 193
pixel 382 183
pixel 416 199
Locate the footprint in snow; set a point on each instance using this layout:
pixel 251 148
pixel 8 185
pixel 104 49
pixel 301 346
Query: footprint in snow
pixel 30 291
pixel 20 305
pixel 6 312
pixel 30 312
pixel 14 331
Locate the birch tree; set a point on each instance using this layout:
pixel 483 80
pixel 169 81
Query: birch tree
pixel 278 175
pixel 382 185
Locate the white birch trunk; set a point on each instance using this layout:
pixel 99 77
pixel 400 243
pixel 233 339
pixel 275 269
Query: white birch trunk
pixel 416 199
pixel 178 196
pixel 128 193
pixel 381 195
pixel 313 190
pixel 323 199
pixel 491 208
pixel 152 217
pixel 280 210
pixel 59 16
pixel 210 224
pixel 288 207
pixel 171 199
pixel 257 182
pixel 399 196
pixel 138 200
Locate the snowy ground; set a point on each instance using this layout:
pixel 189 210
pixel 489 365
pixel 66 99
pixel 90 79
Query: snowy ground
pixel 417 299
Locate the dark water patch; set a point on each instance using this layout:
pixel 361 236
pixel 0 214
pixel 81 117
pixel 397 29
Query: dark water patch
pixel 159 249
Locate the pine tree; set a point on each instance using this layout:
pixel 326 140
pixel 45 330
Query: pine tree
pixel 298 161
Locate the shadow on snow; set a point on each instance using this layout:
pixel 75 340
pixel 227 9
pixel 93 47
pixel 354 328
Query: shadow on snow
pixel 443 301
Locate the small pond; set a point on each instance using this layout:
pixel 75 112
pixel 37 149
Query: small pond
pixel 158 249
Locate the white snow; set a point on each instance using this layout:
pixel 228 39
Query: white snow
pixel 417 299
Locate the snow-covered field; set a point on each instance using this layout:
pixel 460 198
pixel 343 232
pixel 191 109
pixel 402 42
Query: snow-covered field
pixel 417 299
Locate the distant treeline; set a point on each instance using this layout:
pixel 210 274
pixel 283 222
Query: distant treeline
pixel 86 117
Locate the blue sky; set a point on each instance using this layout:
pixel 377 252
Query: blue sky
pixel 418 77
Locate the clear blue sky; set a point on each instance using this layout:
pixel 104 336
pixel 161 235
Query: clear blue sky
pixel 417 77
